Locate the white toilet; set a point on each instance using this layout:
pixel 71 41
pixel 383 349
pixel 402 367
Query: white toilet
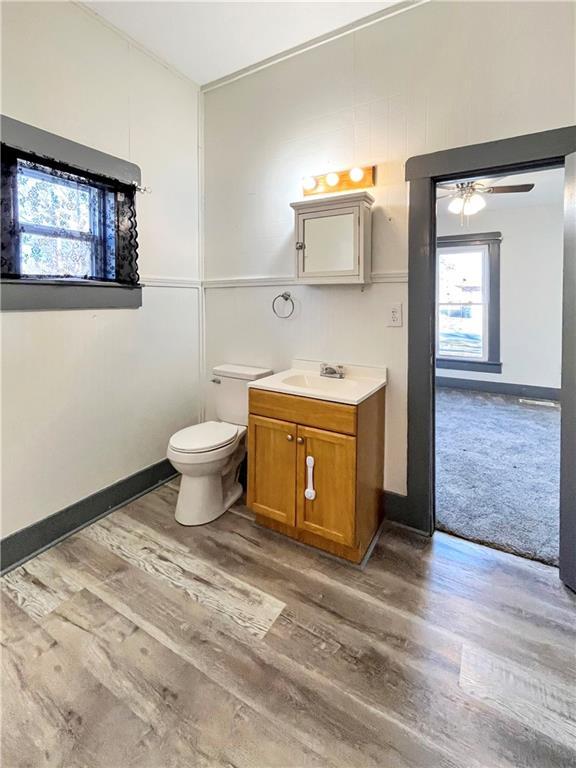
pixel 209 454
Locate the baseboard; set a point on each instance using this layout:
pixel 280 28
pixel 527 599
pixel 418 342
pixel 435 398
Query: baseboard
pixel 22 545
pixel 500 388
pixel 395 507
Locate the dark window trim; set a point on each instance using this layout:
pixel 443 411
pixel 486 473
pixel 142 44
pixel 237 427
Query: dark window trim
pixel 29 294
pixel 457 364
pixel 28 138
pixel 493 364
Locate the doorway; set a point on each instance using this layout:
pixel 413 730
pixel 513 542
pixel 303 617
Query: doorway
pixel 509 156
pixel 499 264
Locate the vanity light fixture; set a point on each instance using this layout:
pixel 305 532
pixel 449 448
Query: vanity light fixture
pixel 309 183
pixel 339 181
pixel 357 174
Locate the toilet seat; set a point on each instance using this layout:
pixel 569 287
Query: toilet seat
pixel 200 438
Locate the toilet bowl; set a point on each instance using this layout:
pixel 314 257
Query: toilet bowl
pixel 209 455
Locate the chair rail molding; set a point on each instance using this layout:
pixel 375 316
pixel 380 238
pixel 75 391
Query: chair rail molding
pixel 390 277
pixel 159 281
pixel 263 280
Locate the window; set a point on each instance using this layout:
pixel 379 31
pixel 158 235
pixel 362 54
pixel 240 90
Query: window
pixel 66 225
pixel 468 312
pixel 69 237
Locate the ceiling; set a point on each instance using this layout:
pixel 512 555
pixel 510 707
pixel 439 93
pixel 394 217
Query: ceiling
pixel 548 190
pixel 209 40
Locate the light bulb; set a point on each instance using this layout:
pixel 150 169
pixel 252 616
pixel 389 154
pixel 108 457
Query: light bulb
pixel 356 174
pixel 309 183
pixel 474 204
pixel 332 179
pixel 456 205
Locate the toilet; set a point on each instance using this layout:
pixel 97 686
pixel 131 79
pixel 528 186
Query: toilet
pixel 209 455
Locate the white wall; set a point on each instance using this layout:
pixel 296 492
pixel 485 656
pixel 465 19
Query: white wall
pixel 408 85
pixel 531 256
pixel 90 397
pixel 339 324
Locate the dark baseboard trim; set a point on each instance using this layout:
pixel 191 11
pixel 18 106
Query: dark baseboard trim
pixel 500 388
pixel 397 510
pixel 22 545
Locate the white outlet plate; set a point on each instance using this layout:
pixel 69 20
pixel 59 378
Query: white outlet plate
pixel 394 319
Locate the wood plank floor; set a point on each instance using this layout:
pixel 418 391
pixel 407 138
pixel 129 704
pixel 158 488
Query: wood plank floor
pixel 138 642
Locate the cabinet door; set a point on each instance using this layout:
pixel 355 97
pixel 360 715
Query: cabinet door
pixel 272 469
pixel 326 484
pixel 329 243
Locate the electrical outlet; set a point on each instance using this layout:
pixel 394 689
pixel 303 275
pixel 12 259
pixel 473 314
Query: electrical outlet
pixel 394 316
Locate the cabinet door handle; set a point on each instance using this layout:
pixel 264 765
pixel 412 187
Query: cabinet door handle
pixel 299 440
pixel 289 437
pixel 310 493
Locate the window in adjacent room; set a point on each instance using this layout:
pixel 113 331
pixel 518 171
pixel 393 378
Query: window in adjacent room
pixel 468 312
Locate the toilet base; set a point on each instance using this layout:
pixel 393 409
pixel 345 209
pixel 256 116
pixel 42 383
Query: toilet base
pixel 203 499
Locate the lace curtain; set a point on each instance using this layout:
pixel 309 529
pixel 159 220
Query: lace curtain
pixel 58 223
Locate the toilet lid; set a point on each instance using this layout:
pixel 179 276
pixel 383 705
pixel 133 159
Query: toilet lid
pixel 203 437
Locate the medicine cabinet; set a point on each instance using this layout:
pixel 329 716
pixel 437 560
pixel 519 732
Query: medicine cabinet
pixel 333 239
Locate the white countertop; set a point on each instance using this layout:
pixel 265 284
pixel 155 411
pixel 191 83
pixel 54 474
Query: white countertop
pixel 304 380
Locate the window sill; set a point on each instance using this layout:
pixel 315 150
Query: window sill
pixel 29 295
pixel 484 366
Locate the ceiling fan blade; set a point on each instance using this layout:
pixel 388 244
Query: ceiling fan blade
pixel 449 187
pixel 443 197
pixel 490 181
pixel 512 188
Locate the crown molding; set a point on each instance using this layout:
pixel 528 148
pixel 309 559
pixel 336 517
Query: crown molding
pixel 355 26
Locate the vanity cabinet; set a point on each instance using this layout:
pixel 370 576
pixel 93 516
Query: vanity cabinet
pixel 333 239
pixel 315 469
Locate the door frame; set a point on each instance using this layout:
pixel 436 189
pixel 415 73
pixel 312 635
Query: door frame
pixel 532 151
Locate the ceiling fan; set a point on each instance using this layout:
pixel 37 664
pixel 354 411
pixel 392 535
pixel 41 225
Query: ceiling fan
pixel 467 196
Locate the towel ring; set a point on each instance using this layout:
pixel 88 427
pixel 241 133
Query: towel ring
pixel 289 300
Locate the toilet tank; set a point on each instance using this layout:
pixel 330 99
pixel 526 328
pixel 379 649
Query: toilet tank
pixel 231 396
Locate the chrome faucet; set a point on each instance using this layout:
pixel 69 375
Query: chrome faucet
pixel 332 371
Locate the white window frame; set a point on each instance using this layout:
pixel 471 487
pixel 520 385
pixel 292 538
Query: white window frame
pixel 489 243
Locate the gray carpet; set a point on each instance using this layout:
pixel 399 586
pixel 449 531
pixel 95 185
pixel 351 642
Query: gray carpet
pixel 498 472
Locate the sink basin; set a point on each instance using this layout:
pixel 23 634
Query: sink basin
pixel 303 380
pixel 310 381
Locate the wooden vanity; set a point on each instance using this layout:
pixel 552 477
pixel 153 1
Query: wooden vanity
pixel 338 506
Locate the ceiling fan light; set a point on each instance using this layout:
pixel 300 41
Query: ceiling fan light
pixel 456 205
pixel 474 204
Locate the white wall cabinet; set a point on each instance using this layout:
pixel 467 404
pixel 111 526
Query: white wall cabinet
pixel 334 239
